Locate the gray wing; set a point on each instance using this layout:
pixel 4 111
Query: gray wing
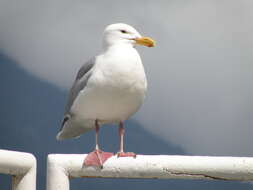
pixel 80 82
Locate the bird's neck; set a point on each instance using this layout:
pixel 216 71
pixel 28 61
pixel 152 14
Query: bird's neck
pixel 117 46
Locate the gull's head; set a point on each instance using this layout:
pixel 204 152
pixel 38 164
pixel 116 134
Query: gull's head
pixel 124 34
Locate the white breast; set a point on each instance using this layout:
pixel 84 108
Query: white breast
pixel 116 88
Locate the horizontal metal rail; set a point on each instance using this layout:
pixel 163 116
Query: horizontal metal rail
pixel 62 167
pixel 22 167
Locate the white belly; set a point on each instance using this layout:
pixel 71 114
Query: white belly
pixel 110 105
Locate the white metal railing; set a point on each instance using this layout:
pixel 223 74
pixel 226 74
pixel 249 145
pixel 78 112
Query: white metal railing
pixel 62 167
pixel 22 167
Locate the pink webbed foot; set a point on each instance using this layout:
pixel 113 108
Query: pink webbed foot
pixel 97 158
pixel 126 154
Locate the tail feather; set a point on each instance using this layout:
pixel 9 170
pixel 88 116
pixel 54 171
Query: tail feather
pixel 70 129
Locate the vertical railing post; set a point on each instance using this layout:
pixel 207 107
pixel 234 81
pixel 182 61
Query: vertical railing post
pixel 57 176
pixel 22 167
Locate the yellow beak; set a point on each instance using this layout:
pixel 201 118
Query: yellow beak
pixel 145 41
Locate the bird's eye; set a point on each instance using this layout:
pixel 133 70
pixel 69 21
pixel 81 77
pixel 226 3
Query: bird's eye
pixel 123 31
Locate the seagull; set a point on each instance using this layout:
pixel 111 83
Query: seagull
pixel 108 89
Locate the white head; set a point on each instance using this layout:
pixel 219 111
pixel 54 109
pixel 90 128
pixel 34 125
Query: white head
pixel 124 34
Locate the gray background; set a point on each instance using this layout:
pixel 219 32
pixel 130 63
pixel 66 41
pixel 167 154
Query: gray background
pixel 200 73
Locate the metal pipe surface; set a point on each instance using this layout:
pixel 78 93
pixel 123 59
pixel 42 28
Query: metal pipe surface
pixel 62 167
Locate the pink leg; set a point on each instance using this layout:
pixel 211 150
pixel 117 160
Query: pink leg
pixel 97 157
pixel 121 152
